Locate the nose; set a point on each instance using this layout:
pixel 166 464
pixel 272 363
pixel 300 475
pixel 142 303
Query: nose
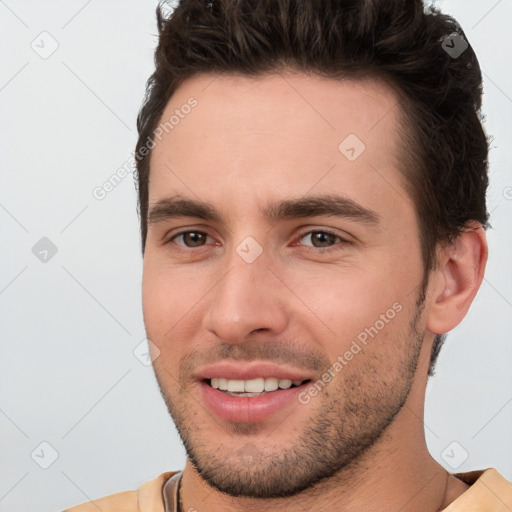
pixel 249 297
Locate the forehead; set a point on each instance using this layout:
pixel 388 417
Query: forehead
pixel 281 133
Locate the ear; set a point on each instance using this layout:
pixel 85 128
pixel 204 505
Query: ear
pixel 457 278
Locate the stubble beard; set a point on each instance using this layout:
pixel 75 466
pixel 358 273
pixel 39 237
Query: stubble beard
pixel 356 411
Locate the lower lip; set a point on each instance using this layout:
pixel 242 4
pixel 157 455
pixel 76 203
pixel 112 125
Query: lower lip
pixel 246 409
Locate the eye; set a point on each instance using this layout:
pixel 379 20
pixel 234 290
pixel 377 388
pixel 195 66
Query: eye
pixel 322 240
pixel 190 239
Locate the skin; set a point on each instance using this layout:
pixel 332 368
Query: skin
pixel 359 444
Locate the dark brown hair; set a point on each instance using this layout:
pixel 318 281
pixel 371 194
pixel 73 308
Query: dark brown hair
pixel 444 149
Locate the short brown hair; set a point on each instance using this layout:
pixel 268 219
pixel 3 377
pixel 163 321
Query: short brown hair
pixel 402 42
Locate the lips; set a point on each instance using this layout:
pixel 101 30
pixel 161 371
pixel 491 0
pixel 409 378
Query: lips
pixel 256 402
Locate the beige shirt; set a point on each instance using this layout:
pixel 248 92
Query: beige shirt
pixel 489 492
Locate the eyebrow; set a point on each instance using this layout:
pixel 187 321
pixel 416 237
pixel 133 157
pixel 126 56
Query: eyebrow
pixel 310 206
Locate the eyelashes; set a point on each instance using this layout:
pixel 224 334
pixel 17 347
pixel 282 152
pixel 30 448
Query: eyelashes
pixel 335 238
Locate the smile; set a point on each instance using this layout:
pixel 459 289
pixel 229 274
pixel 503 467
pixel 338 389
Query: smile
pixel 253 387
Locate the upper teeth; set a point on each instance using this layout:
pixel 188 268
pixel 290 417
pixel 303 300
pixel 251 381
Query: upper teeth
pixel 254 385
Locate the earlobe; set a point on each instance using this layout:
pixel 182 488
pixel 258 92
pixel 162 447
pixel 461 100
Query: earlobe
pixel 456 280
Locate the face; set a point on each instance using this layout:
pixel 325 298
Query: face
pixel 282 252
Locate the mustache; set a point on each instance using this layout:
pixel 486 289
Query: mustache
pixel 264 351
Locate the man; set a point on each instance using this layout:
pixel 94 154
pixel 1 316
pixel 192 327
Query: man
pixel 312 180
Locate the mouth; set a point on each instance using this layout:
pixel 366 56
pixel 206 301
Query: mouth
pixel 259 386
pixel 251 401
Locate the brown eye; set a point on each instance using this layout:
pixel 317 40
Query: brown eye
pixel 321 239
pixel 191 238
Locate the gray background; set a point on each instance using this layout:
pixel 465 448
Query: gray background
pixel 69 326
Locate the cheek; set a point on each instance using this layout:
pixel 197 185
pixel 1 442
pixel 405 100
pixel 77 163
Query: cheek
pixel 164 287
pixel 171 303
pixel 163 298
pixel 357 304
pixel 151 289
pixel 352 296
